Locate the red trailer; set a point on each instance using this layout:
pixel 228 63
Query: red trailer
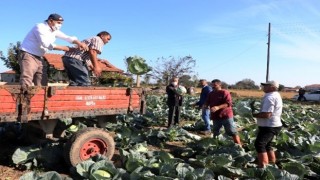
pixel 46 105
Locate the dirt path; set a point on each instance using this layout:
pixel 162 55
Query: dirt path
pixel 8 173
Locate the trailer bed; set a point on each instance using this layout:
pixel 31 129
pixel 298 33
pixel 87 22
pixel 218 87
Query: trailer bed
pixel 55 102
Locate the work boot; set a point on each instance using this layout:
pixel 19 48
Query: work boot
pixel 271 157
pixel 263 160
pixel 236 139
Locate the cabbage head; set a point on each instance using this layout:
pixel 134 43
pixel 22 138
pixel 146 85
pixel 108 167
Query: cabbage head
pixel 137 65
pixel 243 109
pixel 181 90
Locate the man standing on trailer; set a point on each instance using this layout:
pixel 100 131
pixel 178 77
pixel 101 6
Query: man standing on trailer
pixel 38 41
pixel 76 61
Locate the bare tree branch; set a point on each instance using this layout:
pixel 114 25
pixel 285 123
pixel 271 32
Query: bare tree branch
pixel 166 68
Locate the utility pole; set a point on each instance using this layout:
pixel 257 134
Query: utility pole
pixel 268 54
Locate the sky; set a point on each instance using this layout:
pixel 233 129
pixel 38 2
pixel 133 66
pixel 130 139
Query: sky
pixel 227 38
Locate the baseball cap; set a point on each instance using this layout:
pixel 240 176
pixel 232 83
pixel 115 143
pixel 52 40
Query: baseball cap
pixel 272 83
pixel 55 17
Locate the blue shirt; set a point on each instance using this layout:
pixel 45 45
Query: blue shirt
pixel 204 94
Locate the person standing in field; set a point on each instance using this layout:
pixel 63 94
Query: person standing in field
pixel 301 94
pixel 174 102
pixel 219 102
pixel 205 112
pixel 269 123
pixel 76 61
pixel 38 41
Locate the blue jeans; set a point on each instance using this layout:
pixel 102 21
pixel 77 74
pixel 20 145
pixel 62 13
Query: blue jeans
pixel 205 115
pixel 77 71
pixel 228 125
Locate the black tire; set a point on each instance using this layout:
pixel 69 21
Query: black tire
pixel 87 143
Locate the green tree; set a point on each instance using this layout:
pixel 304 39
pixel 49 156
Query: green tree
pixel 166 68
pixel 11 61
pixel 281 87
pixel 224 85
pixel 246 84
pixel 188 81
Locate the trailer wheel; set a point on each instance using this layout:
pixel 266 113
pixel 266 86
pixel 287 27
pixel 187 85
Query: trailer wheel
pixel 87 143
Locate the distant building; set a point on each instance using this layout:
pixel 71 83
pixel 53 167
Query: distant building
pixel 312 87
pixel 55 62
pixel 8 76
pixel 290 89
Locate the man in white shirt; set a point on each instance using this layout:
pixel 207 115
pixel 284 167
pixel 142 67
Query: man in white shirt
pixel 38 41
pixel 269 123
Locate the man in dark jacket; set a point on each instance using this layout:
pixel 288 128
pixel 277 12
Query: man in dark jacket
pixel 301 95
pixel 174 102
pixel 205 112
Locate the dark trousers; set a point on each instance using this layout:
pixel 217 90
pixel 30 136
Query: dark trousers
pixel 77 71
pixel 174 115
pixel 264 138
pixel 301 98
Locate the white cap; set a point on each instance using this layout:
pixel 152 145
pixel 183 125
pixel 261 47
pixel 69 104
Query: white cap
pixel 272 83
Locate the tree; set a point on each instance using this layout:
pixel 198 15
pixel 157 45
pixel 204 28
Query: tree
pixel 188 81
pixel 147 78
pixel 246 84
pixel 11 61
pixel 224 85
pixel 281 87
pixel 166 68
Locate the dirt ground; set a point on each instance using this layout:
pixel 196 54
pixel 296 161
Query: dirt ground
pixel 7 170
pixel 10 173
pixel 259 93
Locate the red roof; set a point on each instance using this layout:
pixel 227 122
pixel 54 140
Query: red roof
pixel 55 60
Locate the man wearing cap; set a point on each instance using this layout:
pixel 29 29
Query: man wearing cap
pixel 37 42
pixel 269 123
pixel 77 62
pixel 219 102
pixel 205 114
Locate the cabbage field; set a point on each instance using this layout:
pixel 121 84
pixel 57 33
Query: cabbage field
pixel 148 150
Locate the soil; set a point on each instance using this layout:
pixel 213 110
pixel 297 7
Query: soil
pixel 8 173
pixel 7 169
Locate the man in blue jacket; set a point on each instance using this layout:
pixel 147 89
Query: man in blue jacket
pixel 205 114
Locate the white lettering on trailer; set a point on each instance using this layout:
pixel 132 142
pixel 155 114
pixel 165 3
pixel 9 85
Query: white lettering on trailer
pixel 90 103
pixel 89 99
